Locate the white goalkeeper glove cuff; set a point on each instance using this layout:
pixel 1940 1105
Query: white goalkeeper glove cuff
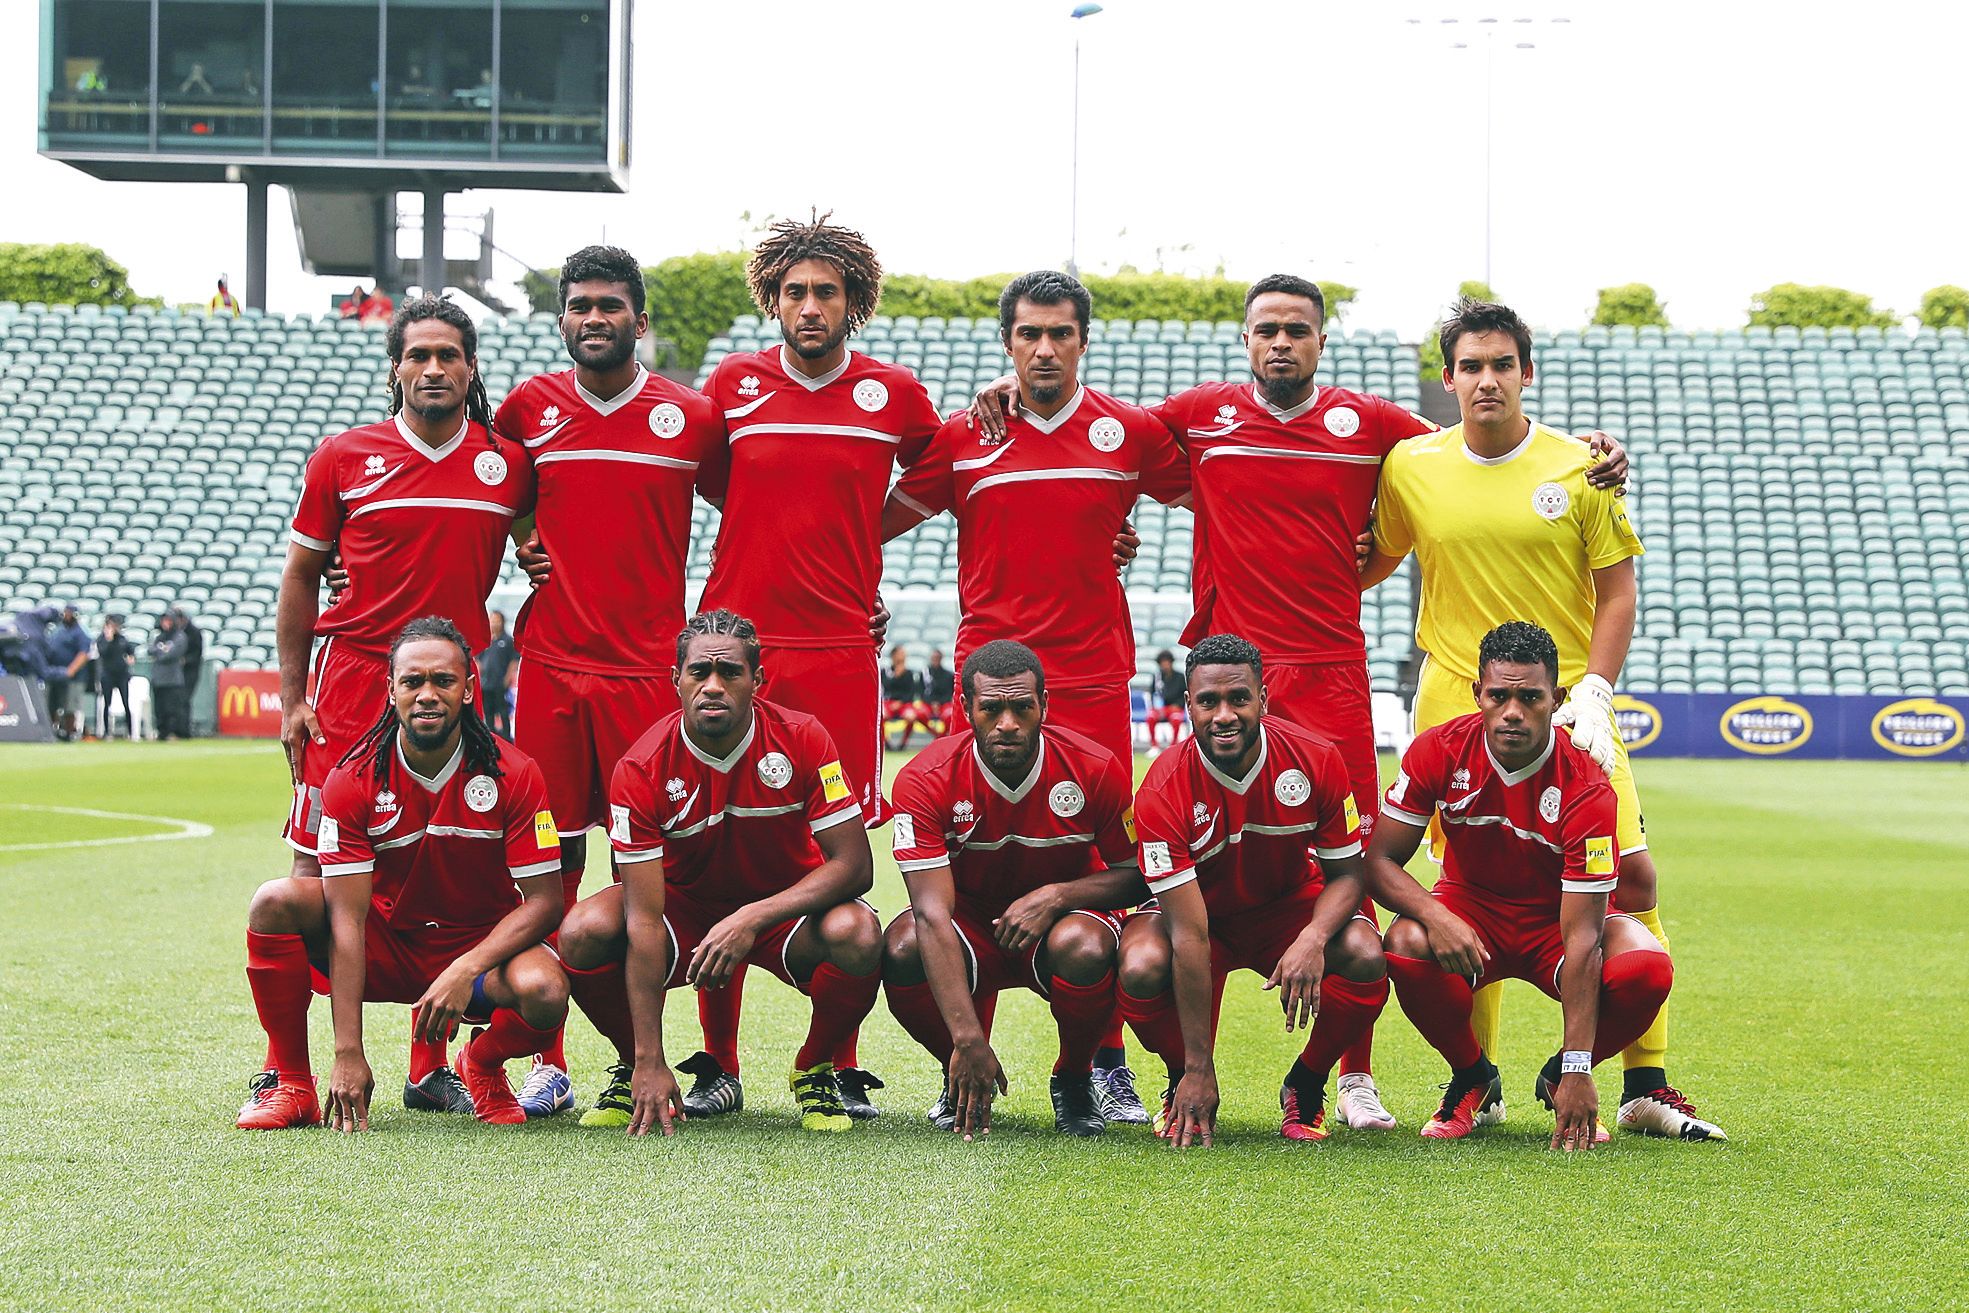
pixel 1591 720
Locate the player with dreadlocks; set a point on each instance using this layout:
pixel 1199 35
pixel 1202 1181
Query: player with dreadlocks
pixel 418 508
pixel 439 881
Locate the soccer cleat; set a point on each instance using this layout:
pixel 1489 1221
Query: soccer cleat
pixel 1076 1105
pixel 714 1091
pixel 1304 1106
pixel 1665 1112
pixel 1360 1104
pixel 1543 1089
pixel 1492 1111
pixel 819 1099
pixel 1165 1116
pixel 276 1104
pixel 546 1090
pixel 1115 1087
pixel 1464 1094
pixel 855 1085
pixel 492 1094
pixel 615 1105
pixel 942 1114
pixel 440 1091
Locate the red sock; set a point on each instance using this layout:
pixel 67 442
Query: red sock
pixel 554 1051
pixel 1439 1005
pixel 1347 1012
pixel 1155 1024
pixel 603 995
pixel 915 1009
pixel 1083 1012
pixel 277 973
pixel 841 1001
pixel 1633 986
pixel 845 1055
pixel 426 1056
pixel 717 1013
pixel 508 1036
pixel 1359 1056
pixel 1113 1037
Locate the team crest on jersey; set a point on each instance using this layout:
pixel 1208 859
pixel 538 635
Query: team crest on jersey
pixel 673 789
pixel 871 395
pixel 963 813
pixel 549 415
pixel 1066 799
pixel 1343 421
pixel 1293 788
pixel 1550 500
pixel 1105 433
pixel 666 420
pixel 481 793
pixel 386 801
pixel 749 386
pixel 775 771
pixel 1200 815
pixel 1461 779
pixel 491 468
pixel 374 465
pixel 1548 804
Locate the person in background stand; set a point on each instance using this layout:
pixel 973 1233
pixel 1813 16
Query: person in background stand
pixel 114 653
pixel 169 695
pixel 496 676
pixel 67 652
pixel 940 690
pixel 194 658
pixel 1171 690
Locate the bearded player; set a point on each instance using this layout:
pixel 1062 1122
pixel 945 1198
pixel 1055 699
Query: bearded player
pixel 439 879
pixel 1015 840
pixel 418 510
pixel 1528 821
pixel 1283 475
pixel 1504 523
pixel 615 451
pixel 1230 821
pixel 739 840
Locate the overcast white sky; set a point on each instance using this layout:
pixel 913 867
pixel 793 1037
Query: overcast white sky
pixel 1710 149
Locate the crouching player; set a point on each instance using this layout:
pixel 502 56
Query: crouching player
pixel 439 880
pixel 1530 858
pixel 1226 820
pixel 739 841
pixel 1014 839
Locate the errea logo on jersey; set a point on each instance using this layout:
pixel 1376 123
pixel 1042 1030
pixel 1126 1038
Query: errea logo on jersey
pixel 673 789
pixel 1460 779
pixel 963 813
pixel 549 415
pixel 749 386
pixel 1226 413
pixel 1200 815
pixel 386 801
pixel 374 465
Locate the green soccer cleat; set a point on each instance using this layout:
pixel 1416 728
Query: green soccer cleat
pixel 615 1105
pixel 819 1099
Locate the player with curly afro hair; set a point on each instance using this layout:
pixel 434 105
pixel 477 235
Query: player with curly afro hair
pixel 785 282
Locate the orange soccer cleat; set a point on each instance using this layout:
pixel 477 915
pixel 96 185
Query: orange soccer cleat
pixel 278 1104
pixel 1463 1096
pixel 493 1100
pixel 1304 1106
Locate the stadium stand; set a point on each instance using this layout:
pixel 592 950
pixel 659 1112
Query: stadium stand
pixel 1805 495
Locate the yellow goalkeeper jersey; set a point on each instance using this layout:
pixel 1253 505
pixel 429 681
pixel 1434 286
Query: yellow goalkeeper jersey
pixel 1514 537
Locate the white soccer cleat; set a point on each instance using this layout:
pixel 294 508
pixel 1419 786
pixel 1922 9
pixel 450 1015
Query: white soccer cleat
pixel 1665 1113
pixel 1360 1104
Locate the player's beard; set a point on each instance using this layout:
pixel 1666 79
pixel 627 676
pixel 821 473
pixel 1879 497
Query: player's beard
pixel 1282 393
pixel 620 348
pixel 435 413
pixel 429 740
pixel 1045 394
pixel 821 352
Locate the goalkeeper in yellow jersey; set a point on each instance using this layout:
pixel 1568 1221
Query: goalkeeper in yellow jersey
pixel 1505 526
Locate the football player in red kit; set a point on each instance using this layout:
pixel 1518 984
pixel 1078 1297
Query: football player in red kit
pixel 739 839
pixel 439 878
pixel 1229 823
pixel 1015 840
pixel 1531 855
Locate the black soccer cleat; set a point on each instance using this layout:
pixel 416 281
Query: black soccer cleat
pixel 855 1084
pixel 714 1091
pixel 1076 1105
pixel 943 1113
pixel 440 1091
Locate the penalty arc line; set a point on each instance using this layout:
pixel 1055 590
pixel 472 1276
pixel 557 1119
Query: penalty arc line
pixel 186 829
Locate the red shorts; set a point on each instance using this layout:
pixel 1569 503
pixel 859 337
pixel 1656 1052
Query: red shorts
pixel 994 969
pixel 400 964
pixel 1524 943
pixel 578 726
pixel 1253 941
pixel 1098 711
pixel 348 690
pixel 687 923
pixel 894 709
pixel 841 688
pixel 1333 700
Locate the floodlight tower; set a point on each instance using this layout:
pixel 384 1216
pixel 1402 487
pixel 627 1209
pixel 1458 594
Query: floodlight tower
pixel 1080 11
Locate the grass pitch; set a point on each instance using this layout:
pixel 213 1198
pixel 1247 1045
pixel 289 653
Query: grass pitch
pixel 1820 919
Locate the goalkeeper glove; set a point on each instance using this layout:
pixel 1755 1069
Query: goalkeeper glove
pixel 1588 715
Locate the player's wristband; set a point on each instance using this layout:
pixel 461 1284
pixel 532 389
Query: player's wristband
pixel 1575 1062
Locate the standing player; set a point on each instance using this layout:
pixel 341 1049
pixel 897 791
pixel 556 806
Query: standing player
pixel 739 840
pixel 1283 474
pixel 418 509
pixel 616 451
pixel 1504 523
pixel 438 882
pixel 1230 821
pixel 1014 841
pixel 1528 825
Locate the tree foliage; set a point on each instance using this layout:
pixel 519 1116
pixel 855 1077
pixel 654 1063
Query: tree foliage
pixel 64 274
pixel 1431 350
pixel 1795 305
pixel 1630 303
pixel 1946 306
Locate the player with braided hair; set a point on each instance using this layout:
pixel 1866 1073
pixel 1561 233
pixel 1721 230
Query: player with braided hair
pixel 439 882
pixel 419 509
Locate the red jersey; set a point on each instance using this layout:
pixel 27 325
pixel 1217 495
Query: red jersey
pixel 1036 518
pixel 803 475
pixel 443 851
pixel 735 829
pixel 1245 841
pixel 1280 496
pixel 422 529
pixel 614 514
pixel 1070 815
pixel 1519 837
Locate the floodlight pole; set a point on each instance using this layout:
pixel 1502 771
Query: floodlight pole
pixel 1073 221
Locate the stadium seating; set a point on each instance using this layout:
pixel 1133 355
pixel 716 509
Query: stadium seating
pixel 1805 495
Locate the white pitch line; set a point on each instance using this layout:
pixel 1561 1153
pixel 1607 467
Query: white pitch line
pixel 185 830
